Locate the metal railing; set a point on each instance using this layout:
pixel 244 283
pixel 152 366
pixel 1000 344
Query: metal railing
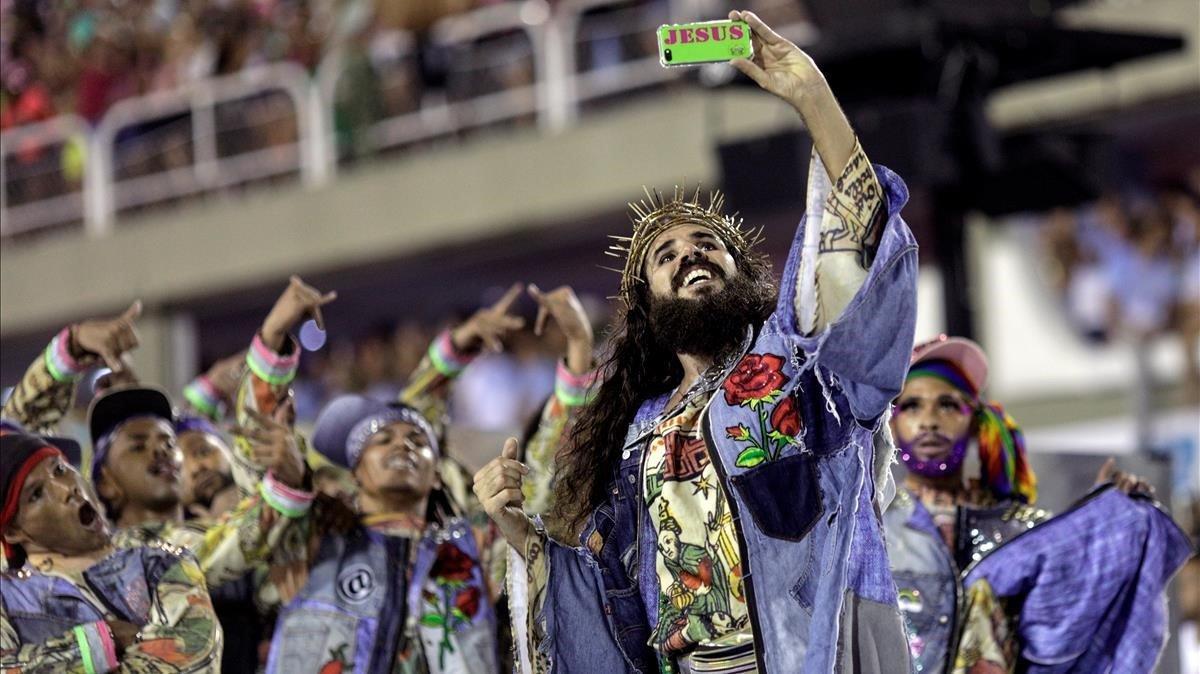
pixel 179 138
pixel 40 174
pixel 505 63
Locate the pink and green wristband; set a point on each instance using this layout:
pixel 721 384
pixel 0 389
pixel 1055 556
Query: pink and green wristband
pixel 288 502
pixel 274 368
pixel 62 365
pixel 573 389
pixel 446 359
pixel 96 647
pixel 204 397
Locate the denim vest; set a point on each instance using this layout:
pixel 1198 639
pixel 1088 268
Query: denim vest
pixel 928 574
pixel 819 588
pixel 359 596
pixel 42 606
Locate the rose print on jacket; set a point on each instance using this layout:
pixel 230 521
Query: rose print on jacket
pixel 456 601
pixel 757 382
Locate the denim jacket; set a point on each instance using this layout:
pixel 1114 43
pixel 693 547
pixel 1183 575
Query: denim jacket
pixel 1085 590
pixel 928 573
pixel 54 621
pixel 363 600
pixel 819 589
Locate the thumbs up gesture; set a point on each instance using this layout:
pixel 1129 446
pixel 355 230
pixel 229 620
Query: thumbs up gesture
pixel 498 487
pixel 108 338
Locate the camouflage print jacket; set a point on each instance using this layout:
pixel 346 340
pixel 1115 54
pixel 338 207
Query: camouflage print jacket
pixel 55 622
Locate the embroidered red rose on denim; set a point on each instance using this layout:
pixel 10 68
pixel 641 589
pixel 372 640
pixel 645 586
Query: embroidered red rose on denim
pixel 785 418
pixel 755 378
pixel 467 601
pixel 452 564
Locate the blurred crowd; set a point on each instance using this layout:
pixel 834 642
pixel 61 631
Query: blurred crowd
pixel 1128 267
pixel 375 60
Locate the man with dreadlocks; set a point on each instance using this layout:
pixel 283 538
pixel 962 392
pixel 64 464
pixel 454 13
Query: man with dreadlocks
pixel 953 544
pixel 723 480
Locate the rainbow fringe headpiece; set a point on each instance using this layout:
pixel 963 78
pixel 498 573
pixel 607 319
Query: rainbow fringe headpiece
pixel 654 215
pixel 1005 467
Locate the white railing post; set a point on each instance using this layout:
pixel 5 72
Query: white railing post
pixel 322 95
pixel 557 53
pixel 204 134
pixel 99 182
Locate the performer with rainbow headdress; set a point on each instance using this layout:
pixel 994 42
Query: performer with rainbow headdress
pixel 972 595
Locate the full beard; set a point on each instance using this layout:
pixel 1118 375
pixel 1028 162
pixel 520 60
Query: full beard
pixel 712 325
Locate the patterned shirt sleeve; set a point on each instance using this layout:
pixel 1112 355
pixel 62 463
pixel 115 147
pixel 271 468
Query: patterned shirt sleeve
pixel 85 649
pixel 428 391
pixel 528 581
pixel 265 385
pixel 428 387
pixel 845 220
pixel 47 390
pixel 571 391
pixel 203 396
pixel 256 531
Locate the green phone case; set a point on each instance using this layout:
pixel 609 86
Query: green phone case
pixel 690 44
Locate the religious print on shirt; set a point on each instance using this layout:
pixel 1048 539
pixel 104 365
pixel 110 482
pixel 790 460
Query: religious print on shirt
pixel 701 594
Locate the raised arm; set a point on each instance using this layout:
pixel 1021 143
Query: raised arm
pixel 848 297
pixel 428 387
pixel 844 218
pixel 209 394
pixel 271 364
pixel 573 386
pixel 47 389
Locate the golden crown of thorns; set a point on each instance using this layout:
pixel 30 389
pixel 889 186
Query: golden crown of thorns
pixel 654 215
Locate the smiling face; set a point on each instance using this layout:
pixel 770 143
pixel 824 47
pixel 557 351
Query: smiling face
pixel 57 512
pixel 688 262
pixel 397 458
pixel 143 466
pixel 206 468
pixel 930 417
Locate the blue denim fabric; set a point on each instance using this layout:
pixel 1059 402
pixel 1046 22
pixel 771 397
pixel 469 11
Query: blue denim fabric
pixel 1090 584
pixel 41 606
pixel 810 535
pixel 924 570
pixel 359 596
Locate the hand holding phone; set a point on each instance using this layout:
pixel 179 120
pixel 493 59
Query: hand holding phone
pixel 690 44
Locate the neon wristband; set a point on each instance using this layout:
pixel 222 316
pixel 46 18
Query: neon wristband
pixel 62 365
pixel 287 501
pixel 446 359
pixel 272 367
pixel 573 389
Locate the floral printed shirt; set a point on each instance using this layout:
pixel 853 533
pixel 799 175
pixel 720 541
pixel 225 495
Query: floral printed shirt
pixel 697 560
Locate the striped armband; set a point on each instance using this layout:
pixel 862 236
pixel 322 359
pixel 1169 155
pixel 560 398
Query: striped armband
pixel 287 501
pixel 62 365
pixel 96 647
pixel 446 359
pixel 203 396
pixel 573 389
pixel 274 368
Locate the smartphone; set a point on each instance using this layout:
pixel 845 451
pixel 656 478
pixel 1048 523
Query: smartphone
pixel 689 44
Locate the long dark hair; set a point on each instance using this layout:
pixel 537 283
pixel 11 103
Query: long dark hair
pixel 638 366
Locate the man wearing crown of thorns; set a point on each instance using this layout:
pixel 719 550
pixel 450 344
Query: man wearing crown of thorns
pixel 725 479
